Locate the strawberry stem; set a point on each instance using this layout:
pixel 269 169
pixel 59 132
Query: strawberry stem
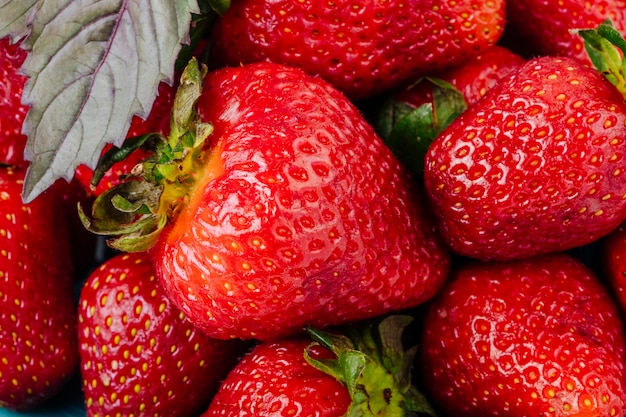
pixel 606 48
pixel 372 363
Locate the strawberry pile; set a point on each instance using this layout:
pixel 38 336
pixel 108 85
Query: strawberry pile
pixel 393 208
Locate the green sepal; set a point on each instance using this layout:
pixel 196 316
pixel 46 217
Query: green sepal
pixel 409 131
pixel 118 154
pixel 600 44
pixel 135 212
pixel 142 239
pixel 219 6
pixel 370 360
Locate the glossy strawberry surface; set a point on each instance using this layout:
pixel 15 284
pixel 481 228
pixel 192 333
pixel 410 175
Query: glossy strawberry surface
pixel 361 48
pixel 38 343
pixel 477 75
pixel 536 166
pixel 274 380
pixel 537 337
pixel 302 216
pixel 139 354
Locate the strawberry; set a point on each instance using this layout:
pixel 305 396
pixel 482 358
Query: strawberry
pixel 337 375
pixel 612 262
pixel 156 122
pixel 545 27
pixel 38 346
pixel 410 118
pixel 474 77
pixel 288 212
pixel 139 354
pixel 536 166
pixel 361 48
pixel 12 111
pixel 533 337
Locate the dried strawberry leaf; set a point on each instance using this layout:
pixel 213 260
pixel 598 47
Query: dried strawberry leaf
pixel 92 66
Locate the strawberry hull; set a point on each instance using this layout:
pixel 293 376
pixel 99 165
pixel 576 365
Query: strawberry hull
pixel 304 217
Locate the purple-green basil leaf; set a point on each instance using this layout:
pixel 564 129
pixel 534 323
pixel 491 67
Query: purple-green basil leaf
pixel 92 65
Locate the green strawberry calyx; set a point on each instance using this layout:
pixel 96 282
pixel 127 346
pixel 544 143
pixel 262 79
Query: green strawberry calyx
pixel 408 131
pixel 371 361
pixel 606 49
pixel 134 212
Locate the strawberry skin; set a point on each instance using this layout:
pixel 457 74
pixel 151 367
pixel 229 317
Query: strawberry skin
pixel 275 380
pixel 474 77
pixel 38 343
pixel 302 215
pixel 535 337
pixel 536 166
pixel 361 48
pixel 544 27
pixel 12 111
pixel 139 354
pixel 613 263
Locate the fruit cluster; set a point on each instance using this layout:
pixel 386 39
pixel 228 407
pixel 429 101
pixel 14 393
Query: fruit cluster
pixel 393 208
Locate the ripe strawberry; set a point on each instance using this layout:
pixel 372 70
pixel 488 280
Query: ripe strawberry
pixel 139 354
pixel 38 346
pixel 362 49
pixel 535 337
pixel 536 166
pixel 411 118
pixel 156 122
pixel 474 77
pixel 334 377
pixel 544 27
pixel 12 112
pixel 613 263
pixel 297 214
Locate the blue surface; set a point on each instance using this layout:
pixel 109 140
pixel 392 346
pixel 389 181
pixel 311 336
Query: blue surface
pixel 69 403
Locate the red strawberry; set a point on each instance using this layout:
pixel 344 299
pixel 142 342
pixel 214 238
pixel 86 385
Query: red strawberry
pixel 473 78
pixel 536 337
pixel 613 263
pixel 361 48
pixel 536 166
pixel 156 122
pixel 545 27
pixel 38 346
pixel 411 118
pixel 12 112
pixel 337 376
pixel 139 354
pixel 297 214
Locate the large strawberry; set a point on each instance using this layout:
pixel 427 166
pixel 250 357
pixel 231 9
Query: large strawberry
pixel 537 165
pixel 139 354
pixel 546 27
pixel 361 48
pixel 534 337
pixel 410 118
pixel 292 212
pixel 38 344
pixel 364 372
